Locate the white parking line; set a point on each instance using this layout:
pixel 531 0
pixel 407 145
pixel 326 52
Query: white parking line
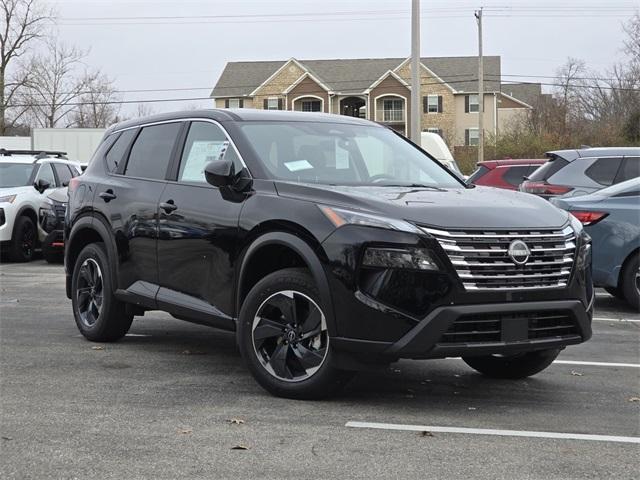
pixel 597 364
pixel 623 320
pixel 501 433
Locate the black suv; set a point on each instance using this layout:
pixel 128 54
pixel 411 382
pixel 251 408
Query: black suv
pixel 328 243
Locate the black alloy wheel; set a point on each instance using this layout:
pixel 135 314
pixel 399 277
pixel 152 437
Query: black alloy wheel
pixel 289 336
pixel 89 292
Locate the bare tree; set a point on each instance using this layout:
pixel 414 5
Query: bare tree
pixel 58 81
pixel 143 110
pixel 23 22
pixel 632 42
pixel 98 105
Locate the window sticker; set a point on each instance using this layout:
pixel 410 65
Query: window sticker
pixel 201 153
pixel 298 165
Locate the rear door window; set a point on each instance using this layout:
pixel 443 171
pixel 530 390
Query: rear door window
pixel 515 175
pixel 553 165
pixel 151 151
pixel 630 169
pixel 603 170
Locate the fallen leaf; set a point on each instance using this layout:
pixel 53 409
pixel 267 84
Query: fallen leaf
pixel 7 438
pixel 425 433
pixel 185 431
pixel 240 447
pixel 97 347
pixel 576 374
pixel 634 399
pixel 472 408
pixel 235 421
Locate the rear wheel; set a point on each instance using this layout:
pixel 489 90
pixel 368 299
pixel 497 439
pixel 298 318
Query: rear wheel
pixel 99 315
pixel 516 366
pixel 23 242
pixel 284 340
pixel 630 281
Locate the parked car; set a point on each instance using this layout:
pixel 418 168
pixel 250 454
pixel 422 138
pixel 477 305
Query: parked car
pixel 435 146
pixel 322 259
pixel 27 180
pixel 507 174
pixel 611 217
pixel 571 173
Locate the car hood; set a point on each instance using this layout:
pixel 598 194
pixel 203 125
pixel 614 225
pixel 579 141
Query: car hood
pixel 16 190
pixel 479 207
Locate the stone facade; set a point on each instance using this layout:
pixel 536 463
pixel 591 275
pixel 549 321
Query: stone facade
pixel 278 84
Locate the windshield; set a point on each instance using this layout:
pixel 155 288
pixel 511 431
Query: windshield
pixel 15 174
pixel 342 154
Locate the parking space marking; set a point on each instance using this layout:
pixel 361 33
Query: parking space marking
pixel 495 432
pixel 624 320
pixel 597 364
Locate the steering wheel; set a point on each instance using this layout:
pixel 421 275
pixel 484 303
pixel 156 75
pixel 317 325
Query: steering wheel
pixel 380 178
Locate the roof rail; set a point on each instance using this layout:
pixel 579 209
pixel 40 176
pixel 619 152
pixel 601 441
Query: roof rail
pixel 39 153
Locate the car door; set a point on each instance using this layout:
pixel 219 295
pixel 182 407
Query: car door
pixel 128 199
pixel 198 230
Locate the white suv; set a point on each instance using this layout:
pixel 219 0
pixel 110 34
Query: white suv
pixel 25 176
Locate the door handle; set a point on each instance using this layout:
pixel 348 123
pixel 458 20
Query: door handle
pixel 107 196
pixel 168 206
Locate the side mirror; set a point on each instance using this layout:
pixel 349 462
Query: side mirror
pixel 219 173
pixel 41 185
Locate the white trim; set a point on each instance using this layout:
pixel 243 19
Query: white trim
pixel 515 100
pixel 302 77
pixel 385 75
pixel 274 74
pixel 293 102
pixel 430 72
pixel 375 108
pixel 623 320
pixel 496 432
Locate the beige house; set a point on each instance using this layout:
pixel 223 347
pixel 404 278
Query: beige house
pixel 379 90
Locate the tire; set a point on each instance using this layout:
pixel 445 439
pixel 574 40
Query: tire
pixel 514 366
pixel 23 241
pixel 100 317
pixel 630 281
pixel 287 361
pixel 615 292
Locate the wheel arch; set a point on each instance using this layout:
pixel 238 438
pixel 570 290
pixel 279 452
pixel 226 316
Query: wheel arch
pixel 27 211
pixel 275 250
pixel 89 228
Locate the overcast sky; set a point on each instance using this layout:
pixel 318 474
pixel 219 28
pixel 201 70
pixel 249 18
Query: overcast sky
pixel 532 37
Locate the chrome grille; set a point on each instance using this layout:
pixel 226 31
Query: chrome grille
pixel 482 261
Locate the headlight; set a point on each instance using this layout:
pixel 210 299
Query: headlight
pixel 7 199
pixel 340 217
pixel 410 258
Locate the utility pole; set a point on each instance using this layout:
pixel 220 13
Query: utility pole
pixel 415 72
pixel 478 15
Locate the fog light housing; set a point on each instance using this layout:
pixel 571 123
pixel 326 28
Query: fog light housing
pixel 408 258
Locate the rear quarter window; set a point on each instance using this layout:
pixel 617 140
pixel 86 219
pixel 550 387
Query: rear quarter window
pixel 481 171
pixel 116 153
pixel 603 170
pixel 544 172
pixel 515 175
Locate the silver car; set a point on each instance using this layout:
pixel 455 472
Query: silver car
pixel 572 173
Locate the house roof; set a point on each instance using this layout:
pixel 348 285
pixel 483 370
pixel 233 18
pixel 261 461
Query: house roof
pixel 356 75
pixel 525 92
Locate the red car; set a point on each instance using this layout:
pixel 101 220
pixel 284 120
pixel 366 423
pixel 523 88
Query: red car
pixel 504 173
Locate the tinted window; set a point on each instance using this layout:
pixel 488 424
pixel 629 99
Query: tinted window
pixel 15 174
pixel 546 170
pixel 64 174
pixel 151 152
pixel 46 173
pixel 119 148
pixel 204 144
pixel 630 169
pixel 515 175
pixel 603 170
pixel 480 172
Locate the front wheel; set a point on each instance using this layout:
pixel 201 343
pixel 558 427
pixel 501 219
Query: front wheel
pixel 630 282
pixel 516 366
pixel 284 340
pixel 23 242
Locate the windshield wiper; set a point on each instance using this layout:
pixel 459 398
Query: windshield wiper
pixel 412 185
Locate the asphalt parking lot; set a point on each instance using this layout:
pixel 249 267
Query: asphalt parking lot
pixel 173 400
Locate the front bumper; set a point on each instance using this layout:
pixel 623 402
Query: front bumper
pixel 513 327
